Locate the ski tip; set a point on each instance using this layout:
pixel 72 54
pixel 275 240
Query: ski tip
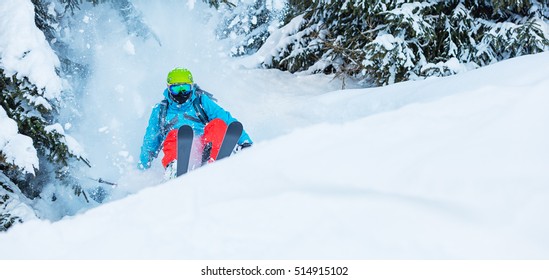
pixel 236 124
pixel 185 128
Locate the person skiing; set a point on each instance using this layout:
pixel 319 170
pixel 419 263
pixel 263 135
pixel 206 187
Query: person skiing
pixel 184 104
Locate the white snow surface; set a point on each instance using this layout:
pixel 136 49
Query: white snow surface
pixel 444 168
pixel 460 171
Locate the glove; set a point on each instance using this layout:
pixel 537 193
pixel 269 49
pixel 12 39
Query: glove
pixel 142 166
pixel 145 160
pixel 242 146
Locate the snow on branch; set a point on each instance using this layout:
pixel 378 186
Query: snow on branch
pixel 17 149
pixel 24 50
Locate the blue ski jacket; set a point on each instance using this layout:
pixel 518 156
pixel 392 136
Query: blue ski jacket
pixel 178 115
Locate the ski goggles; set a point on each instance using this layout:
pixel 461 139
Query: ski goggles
pixel 183 89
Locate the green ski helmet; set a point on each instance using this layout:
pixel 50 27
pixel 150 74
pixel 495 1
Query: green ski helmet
pixel 180 76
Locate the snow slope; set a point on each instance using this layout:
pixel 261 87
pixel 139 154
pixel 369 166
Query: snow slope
pixel 446 168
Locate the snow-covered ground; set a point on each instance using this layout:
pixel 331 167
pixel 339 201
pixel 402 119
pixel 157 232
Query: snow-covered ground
pixel 446 168
pixel 460 171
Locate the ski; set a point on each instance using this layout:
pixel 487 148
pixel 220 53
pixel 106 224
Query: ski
pixel 219 143
pixel 233 133
pixel 185 136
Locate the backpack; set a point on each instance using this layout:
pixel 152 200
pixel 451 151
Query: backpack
pixel 198 107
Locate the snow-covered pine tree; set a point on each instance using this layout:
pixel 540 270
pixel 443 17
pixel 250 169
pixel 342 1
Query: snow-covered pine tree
pixel 383 41
pixel 133 19
pixel 31 164
pixel 41 173
pixel 247 23
pixel 217 3
pixel 35 152
pixel 7 199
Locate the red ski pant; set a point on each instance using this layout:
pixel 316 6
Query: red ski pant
pixel 214 132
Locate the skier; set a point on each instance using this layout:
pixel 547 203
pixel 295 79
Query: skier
pixel 184 104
